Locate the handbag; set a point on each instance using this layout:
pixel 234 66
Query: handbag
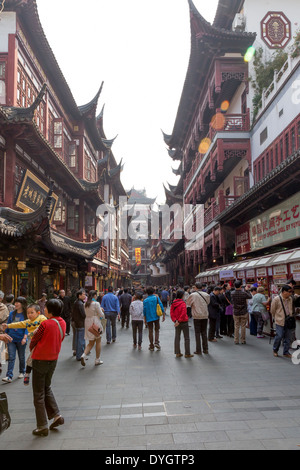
pixel 229 310
pixel 290 322
pixel 96 330
pixel 159 311
pixel 5 419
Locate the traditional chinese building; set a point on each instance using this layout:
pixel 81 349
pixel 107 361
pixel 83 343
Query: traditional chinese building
pixel 139 236
pixel 237 144
pixel 56 168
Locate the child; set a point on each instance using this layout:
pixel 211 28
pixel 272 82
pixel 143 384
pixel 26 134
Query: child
pixel 180 318
pixel 137 317
pixel 31 324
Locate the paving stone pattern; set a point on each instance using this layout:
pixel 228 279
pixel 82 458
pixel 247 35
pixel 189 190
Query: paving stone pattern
pixel 237 397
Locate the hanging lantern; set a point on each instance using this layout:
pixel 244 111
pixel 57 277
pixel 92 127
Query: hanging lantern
pixel 21 265
pixel 4 264
pixel 45 268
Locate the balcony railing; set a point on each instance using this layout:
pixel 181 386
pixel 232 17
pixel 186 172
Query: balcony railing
pixel 223 123
pixel 216 208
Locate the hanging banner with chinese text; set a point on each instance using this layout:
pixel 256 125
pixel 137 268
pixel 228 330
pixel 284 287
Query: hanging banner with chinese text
pixel 138 256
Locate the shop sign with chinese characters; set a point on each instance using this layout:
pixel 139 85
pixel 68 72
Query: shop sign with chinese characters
pixel 138 256
pixel 32 194
pixel 277 225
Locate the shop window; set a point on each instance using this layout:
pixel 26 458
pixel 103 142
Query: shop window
pixel 271 159
pixel 281 151
pixel 263 136
pixel 73 155
pixel 87 169
pixel 276 155
pixel 287 145
pixel 58 134
pixel 60 213
pixel 90 225
pixel 73 219
pixel 293 140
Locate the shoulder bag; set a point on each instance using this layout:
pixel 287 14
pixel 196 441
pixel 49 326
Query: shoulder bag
pixel 5 419
pixel 159 311
pixel 290 322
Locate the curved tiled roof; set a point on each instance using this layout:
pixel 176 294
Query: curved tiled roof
pixel 206 41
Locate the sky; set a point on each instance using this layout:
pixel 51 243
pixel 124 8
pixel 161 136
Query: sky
pixel 140 49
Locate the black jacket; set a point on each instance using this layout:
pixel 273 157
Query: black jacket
pixel 125 301
pixel 214 307
pixel 78 314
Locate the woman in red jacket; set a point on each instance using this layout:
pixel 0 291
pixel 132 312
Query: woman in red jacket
pixel 45 346
pixel 180 318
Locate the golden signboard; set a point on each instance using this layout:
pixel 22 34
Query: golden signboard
pixel 138 256
pixel 32 194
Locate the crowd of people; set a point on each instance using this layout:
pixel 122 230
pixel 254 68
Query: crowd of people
pixel 215 311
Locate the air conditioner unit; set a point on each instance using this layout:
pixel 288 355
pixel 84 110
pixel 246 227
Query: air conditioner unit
pixel 239 22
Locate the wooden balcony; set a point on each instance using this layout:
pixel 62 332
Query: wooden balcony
pixel 217 208
pixel 225 123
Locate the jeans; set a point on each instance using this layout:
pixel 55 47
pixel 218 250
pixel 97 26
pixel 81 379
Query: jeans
pixel 182 327
pixel 282 333
pixel 200 327
pixel 153 324
pixel 79 342
pixel 137 326
pixel 43 398
pixel 111 330
pixel 259 322
pixel 125 316
pixel 13 348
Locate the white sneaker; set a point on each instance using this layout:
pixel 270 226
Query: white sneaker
pixel 21 376
pixel 7 380
pixel 98 362
pixel 83 359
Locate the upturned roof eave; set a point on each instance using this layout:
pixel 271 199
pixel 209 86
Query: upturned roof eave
pixel 203 36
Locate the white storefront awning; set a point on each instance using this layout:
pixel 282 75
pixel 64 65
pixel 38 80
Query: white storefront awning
pixel 283 257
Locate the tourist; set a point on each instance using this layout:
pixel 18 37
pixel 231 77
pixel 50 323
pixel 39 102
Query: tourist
pixel 214 313
pixel 252 322
pixel 31 324
pixel 42 303
pixel 259 310
pixel 78 324
pixel 19 340
pixel 164 297
pixel 45 346
pixel 66 315
pixel 151 317
pixel 199 301
pixel 125 300
pixel 178 313
pixel 94 314
pixel 137 319
pixel 9 299
pixel 111 307
pixel 239 299
pixel 282 312
pixel 4 312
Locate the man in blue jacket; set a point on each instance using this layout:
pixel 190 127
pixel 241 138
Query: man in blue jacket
pixel 151 317
pixel 111 306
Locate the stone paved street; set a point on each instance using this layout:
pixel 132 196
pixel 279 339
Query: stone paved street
pixel 237 397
